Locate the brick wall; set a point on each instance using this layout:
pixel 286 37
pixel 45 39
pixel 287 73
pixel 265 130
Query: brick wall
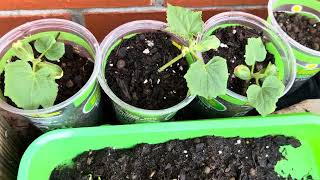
pixel 101 16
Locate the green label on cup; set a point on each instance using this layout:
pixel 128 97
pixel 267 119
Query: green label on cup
pixel 92 100
pixel 215 104
pixel 306 71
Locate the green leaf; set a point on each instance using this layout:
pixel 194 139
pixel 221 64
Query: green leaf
pixel 50 69
pixel 255 51
pixel 52 49
pixel 55 52
pixel 264 98
pixel 210 42
pixel 242 72
pixel 184 22
pixel 208 80
pixel 28 89
pixel 44 43
pixel 23 50
pixel 271 70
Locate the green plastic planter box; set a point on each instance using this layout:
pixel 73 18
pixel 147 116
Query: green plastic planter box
pixel 60 146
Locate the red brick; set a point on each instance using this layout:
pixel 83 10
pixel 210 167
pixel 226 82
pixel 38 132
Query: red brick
pixel 62 4
pixel 201 3
pixel 100 24
pixel 9 22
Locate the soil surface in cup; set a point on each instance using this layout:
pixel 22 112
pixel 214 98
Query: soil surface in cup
pixel 77 69
pixel 132 72
pixel 199 158
pixel 233 44
pixel 301 28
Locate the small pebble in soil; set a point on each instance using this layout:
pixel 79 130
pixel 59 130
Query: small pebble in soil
pixel 121 64
pixel 69 84
pixel 146 51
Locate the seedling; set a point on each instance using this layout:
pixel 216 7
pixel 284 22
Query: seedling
pixel 263 97
pixel 29 80
pixel 206 80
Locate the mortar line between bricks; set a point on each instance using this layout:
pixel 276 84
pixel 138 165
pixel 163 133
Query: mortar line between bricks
pixel 32 12
pixel 77 12
pixel 158 2
pixel 162 8
pixel 77 16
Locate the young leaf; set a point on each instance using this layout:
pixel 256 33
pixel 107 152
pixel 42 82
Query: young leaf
pixel 23 50
pixel 53 70
pixel 29 89
pixel 52 49
pixel 255 51
pixel 208 80
pixel 55 52
pixel 264 98
pixel 210 42
pixel 271 70
pixel 242 72
pixel 44 43
pixel 184 22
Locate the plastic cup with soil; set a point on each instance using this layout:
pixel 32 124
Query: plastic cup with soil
pixel 235 29
pixel 298 21
pixel 132 54
pixel 63 59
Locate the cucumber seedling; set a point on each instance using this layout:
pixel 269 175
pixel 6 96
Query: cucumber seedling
pixel 208 80
pixel 29 80
pixel 262 97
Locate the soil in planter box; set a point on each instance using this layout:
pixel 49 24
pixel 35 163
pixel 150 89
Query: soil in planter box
pixel 233 44
pixel 132 72
pixel 77 69
pixel 301 28
pixel 198 158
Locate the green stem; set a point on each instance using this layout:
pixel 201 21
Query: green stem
pixel 195 55
pixel 257 81
pixel 252 69
pixel 170 63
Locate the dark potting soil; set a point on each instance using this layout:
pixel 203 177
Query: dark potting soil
pixel 132 72
pixel 199 158
pixel 77 70
pixel 233 44
pixel 301 28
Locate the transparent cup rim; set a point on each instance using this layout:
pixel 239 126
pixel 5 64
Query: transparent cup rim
pixel 246 17
pixel 52 23
pixel 106 44
pixel 293 42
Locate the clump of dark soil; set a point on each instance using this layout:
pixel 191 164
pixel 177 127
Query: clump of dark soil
pixel 77 70
pixel 301 28
pixel 233 44
pixel 132 72
pixel 199 158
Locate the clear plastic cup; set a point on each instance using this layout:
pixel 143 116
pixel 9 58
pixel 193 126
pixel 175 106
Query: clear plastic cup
pixel 233 104
pixel 82 109
pixel 127 113
pixel 308 60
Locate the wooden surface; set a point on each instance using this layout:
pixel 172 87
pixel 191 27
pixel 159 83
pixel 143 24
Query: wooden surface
pixel 310 105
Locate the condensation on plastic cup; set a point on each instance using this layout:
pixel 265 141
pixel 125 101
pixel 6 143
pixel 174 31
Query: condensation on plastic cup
pixel 64 114
pixel 233 104
pixel 308 60
pixel 127 113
